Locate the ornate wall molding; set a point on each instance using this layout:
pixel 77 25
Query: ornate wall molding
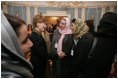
pixel 72 9
pixel 57 13
pixel 74 4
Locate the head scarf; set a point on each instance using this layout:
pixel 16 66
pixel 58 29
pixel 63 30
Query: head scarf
pixel 108 25
pixel 12 58
pixel 80 28
pixel 67 30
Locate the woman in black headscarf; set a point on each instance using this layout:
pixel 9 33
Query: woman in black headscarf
pixel 99 65
pixel 106 47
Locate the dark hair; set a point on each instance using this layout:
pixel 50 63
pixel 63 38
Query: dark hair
pixel 15 22
pixel 90 24
pixel 73 20
pixel 108 25
pixel 28 27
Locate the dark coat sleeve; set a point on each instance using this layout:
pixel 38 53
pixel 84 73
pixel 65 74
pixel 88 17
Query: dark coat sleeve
pixel 81 52
pixel 85 48
pixel 67 44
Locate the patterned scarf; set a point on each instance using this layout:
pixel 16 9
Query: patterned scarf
pixel 80 28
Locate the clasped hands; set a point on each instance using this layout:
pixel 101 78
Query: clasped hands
pixel 61 54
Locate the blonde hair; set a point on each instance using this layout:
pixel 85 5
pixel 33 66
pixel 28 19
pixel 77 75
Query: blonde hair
pixel 80 28
pixel 38 19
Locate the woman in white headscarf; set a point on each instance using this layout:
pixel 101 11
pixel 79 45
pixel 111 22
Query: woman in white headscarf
pixel 62 42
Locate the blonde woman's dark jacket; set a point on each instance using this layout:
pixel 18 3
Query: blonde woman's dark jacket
pixel 39 55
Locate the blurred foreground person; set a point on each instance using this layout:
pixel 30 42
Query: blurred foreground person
pixel 14 47
pixel 106 47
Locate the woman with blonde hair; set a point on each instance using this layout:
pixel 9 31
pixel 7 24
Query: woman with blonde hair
pixel 39 53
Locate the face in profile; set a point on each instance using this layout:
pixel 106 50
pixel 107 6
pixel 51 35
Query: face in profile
pixel 24 40
pixel 73 27
pixel 41 26
pixel 62 24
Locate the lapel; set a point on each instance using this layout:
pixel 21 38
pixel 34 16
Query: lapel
pixel 58 36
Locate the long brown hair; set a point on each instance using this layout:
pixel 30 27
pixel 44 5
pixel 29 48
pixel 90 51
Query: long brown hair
pixel 28 27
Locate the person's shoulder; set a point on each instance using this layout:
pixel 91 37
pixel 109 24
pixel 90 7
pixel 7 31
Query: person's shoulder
pixel 56 31
pixel 87 37
pixel 69 35
pixel 46 32
pixel 35 35
pixel 10 74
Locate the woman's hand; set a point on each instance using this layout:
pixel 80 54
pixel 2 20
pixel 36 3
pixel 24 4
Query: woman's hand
pixel 61 54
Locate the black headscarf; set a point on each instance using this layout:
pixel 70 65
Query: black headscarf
pixel 108 25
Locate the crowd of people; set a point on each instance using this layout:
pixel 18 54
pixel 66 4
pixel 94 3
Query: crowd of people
pixel 76 50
